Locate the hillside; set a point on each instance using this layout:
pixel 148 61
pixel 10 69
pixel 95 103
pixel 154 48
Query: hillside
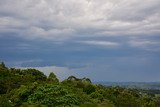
pixel 31 88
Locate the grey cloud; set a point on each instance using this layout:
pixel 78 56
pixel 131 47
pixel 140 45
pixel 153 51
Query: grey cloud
pixel 150 45
pixel 135 10
pixel 64 20
pixel 135 68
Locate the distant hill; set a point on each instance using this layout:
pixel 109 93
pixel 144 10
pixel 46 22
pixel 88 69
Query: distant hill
pixel 139 85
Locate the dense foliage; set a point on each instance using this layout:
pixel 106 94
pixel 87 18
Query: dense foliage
pixel 31 88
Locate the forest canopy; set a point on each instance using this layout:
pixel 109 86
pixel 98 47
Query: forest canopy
pixel 31 88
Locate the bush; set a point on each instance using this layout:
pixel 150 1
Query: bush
pixel 53 95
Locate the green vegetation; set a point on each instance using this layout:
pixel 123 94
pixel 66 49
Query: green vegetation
pixel 31 88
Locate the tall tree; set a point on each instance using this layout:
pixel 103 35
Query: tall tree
pixel 2 65
pixel 52 78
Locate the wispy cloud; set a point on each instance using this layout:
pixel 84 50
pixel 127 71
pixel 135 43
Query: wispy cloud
pixel 145 44
pixel 101 43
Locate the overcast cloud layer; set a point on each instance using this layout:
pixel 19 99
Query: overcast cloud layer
pixel 106 40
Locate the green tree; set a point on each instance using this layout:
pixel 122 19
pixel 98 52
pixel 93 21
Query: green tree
pixel 20 95
pixel 54 95
pixel 2 65
pixel 89 88
pixel 52 78
pixel 4 101
pixel 73 78
pixel 33 75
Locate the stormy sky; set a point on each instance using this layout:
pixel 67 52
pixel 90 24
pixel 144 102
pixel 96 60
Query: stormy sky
pixel 105 40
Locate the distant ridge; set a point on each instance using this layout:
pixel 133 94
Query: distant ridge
pixel 140 85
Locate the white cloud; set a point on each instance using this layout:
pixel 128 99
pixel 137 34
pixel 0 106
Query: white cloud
pixel 101 43
pixel 59 20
